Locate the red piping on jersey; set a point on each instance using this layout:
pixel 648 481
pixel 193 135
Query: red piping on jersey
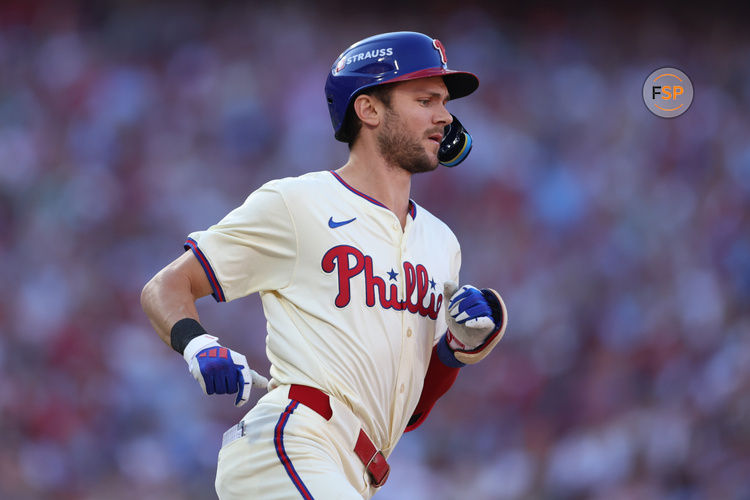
pixel 218 292
pixel 412 205
pixel 278 439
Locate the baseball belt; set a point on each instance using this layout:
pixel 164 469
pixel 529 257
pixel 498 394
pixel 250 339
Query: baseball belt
pixel 319 402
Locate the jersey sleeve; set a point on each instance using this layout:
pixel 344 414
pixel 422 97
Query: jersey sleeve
pixel 253 248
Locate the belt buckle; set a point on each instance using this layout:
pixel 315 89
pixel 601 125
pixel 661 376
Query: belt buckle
pixel 378 469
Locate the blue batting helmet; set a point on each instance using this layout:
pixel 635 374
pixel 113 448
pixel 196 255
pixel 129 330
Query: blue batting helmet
pixel 388 58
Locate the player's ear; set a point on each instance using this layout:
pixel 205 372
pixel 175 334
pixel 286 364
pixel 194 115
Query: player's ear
pixel 368 109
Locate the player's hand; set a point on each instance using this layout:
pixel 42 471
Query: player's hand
pixel 468 314
pixel 220 370
pixel 476 320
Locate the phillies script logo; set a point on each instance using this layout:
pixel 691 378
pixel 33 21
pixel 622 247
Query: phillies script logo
pixel 417 280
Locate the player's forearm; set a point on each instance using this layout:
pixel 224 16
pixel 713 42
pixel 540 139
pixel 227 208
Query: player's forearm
pixel 166 299
pixel 169 302
pixel 439 379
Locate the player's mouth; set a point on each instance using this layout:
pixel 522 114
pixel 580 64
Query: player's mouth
pixel 436 137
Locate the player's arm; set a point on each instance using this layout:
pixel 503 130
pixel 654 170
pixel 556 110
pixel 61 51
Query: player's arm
pixel 168 300
pixel 476 323
pixel 170 295
pixel 440 377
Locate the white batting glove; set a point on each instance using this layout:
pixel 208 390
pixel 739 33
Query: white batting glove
pixel 219 370
pixel 476 320
pixel 468 315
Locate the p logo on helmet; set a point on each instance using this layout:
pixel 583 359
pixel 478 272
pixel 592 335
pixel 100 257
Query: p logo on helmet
pixel 439 46
pixel 395 57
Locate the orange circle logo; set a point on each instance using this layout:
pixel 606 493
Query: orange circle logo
pixel 668 92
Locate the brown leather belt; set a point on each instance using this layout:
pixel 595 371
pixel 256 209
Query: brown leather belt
pixel 373 460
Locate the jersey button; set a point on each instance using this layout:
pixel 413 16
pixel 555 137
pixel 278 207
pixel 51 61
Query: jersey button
pixel 396 225
pixel 408 332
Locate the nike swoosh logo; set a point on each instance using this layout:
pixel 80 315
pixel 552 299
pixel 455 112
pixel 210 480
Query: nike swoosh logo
pixel 333 224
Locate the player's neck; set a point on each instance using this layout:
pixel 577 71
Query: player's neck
pixel 389 185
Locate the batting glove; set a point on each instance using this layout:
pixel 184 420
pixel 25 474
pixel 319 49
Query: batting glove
pixel 219 370
pixel 476 321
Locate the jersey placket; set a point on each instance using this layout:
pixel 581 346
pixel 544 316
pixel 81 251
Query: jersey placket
pixel 402 382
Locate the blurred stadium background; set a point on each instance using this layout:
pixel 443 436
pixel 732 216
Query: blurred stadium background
pixel 620 241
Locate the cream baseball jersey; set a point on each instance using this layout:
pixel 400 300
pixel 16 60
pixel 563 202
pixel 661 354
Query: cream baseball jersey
pixel 352 301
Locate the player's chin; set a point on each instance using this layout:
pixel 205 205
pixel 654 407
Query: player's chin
pixel 427 163
pixel 434 162
pixel 433 158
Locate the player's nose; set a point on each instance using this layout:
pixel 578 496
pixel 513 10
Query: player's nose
pixel 442 116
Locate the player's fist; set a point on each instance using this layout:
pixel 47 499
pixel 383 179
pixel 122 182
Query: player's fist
pixel 220 370
pixel 468 315
pixel 476 320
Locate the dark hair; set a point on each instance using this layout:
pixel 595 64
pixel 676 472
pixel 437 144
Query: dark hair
pixel 352 124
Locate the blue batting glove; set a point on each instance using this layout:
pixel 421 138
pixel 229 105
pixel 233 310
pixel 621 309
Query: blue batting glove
pixel 476 323
pixel 468 314
pixel 469 305
pixel 220 370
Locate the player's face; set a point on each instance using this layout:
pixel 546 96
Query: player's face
pixel 414 123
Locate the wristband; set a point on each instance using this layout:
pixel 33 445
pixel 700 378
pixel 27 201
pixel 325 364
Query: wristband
pixel 183 332
pixel 446 355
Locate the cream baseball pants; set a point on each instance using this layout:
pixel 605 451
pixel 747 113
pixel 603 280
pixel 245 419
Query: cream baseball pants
pixel 283 450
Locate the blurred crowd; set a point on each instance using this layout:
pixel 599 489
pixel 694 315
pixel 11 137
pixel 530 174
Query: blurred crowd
pixel 619 240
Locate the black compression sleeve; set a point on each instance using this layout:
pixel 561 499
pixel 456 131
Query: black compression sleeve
pixel 183 332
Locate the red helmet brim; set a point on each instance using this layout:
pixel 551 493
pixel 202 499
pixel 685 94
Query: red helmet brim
pixel 459 83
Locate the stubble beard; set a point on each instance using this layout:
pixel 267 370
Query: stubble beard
pixel 400 150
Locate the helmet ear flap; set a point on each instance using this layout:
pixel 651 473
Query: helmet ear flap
pixel 456 144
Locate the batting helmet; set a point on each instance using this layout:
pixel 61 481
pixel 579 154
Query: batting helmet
pixel 388 58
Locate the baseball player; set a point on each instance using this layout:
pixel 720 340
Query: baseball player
pixel 367 326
